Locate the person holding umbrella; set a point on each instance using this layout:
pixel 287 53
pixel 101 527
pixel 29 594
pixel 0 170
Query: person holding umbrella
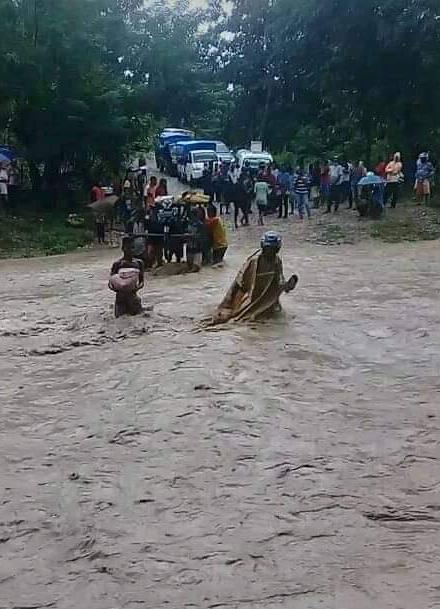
pixel 371 194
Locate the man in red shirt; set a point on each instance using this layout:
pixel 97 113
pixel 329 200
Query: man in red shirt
pixel 96 194
pixel 269 177
pixel 380 169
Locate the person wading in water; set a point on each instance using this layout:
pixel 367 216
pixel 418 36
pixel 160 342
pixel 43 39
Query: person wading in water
pixel 126 279
pixel 258 286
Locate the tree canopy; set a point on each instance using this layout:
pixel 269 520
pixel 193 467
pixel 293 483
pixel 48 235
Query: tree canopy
pixel 337 74
pixel 85 83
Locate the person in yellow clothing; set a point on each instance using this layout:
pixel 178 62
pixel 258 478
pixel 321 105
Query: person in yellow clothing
pixel 218 235
pixel 257 288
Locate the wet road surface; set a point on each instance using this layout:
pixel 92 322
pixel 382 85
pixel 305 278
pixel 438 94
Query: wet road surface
pixel 286 465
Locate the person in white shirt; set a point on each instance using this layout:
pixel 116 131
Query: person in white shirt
pixel 335 173
pixel 261 190
pixel 13 183
pixel 345 182
pixel 4 179
pixel 233 174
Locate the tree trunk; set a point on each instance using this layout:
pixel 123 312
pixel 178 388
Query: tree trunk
pixel 264 118
pixel 36 179
pixel 368 134
pixel 35 23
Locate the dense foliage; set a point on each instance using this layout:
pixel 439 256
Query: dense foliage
pixel 85 83
pixel 347 75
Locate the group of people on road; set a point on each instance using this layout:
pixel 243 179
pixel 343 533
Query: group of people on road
pixel 337 182
pixel 272 189
pixel 392 172
pixel 329 184
pixel 226 186
pixel 284 191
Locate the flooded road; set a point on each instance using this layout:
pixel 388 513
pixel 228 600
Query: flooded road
pixel 287 465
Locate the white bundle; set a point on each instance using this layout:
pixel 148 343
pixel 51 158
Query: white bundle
pixel 127 279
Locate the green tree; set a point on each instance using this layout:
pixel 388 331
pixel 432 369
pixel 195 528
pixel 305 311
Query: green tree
pixel 63 80
pixel 357 72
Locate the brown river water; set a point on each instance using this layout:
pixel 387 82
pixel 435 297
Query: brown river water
pixel 291 464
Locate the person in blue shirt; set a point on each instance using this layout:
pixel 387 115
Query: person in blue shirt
pixel 424 174
pixel 283 192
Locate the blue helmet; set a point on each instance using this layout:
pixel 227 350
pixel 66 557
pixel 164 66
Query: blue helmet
pixel 271 239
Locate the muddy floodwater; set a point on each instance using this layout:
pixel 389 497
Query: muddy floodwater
pixel 287 465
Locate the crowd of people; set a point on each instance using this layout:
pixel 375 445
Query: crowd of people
pixel 157 230
pixel 162 228
pixel 271 190
pixel 329 184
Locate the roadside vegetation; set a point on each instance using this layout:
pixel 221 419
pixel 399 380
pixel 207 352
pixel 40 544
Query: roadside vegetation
pixel 409 224
pixel 40 235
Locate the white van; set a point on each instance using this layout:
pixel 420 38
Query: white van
pixel 252 159
pixel 223 153
pixel 197 162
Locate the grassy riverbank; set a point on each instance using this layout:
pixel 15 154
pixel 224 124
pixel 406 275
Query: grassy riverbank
pixel 42 235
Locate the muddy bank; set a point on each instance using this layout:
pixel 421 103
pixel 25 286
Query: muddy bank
pixel 287 465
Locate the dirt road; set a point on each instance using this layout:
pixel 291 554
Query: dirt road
pixel 293 465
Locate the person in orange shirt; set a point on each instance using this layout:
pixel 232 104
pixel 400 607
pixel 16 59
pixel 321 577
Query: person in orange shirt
pixel 394 176
pixel 218 235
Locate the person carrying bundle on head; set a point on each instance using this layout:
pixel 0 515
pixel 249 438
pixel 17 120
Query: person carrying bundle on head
pixel 126 279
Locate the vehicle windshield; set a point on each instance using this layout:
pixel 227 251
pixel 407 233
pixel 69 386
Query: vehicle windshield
pixel 203 157
pixel 222 148
pixel 254 162
pixel 168 132
pixel 177 150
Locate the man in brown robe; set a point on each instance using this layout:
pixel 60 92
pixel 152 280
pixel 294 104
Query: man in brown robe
pixel 258 286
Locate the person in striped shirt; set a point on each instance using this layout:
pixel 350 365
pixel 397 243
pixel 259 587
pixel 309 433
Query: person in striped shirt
pixel 301 187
